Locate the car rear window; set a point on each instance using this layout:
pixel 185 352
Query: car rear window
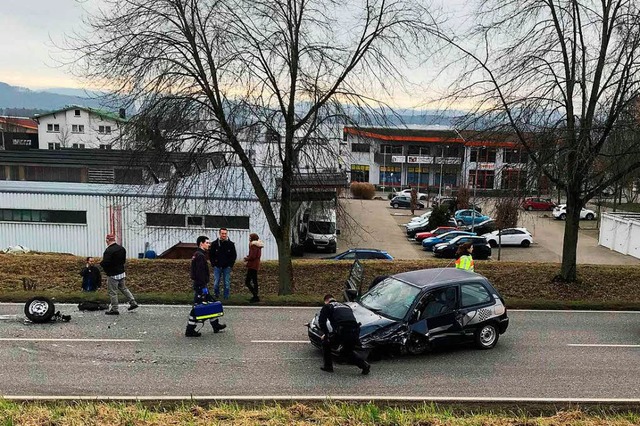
pixel 474 294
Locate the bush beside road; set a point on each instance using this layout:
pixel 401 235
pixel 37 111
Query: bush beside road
pixel 523 284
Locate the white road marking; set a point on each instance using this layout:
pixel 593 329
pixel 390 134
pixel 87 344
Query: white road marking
pixel 280 341
pixel 587 345
pixel 316 398
pixel 25 339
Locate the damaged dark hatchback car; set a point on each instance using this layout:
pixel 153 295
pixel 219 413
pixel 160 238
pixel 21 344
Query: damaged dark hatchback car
pixel 415 311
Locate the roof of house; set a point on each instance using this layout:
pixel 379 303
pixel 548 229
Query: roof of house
pixel 104 114
pixel 23 122
pixel 448 136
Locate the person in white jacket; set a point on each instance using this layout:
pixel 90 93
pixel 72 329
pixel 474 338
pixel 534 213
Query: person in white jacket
pixel 253 264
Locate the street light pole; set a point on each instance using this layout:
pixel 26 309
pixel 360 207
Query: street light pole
pixel 475 186
pixel 441 163
pixel 384 161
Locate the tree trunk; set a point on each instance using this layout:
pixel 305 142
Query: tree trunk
pixel 285 267
pixel 570 243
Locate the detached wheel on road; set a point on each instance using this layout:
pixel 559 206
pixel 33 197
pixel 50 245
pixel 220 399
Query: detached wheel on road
pixel 486 337
pixel 39 309
pixel 395 205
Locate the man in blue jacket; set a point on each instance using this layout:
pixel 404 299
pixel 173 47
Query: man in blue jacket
pixel 222 253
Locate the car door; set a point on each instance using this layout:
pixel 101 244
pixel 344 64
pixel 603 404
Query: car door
pixel 439 308
pixel 474 306
pixel 348 256
pixel 507 237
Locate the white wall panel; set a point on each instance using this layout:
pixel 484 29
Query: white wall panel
pixel 621 232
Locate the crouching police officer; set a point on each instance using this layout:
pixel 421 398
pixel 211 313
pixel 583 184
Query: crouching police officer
pixel 346 331
pixel 200 278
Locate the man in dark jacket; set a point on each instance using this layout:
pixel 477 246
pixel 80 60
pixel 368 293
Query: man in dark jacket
pixel 91 278
pixel 222 253
pixel 113 261
pixel 200 280
pixel 346 331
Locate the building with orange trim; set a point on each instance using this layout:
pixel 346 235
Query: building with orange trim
pixel 422 157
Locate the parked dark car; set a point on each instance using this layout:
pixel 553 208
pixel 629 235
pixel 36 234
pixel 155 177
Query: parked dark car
pixel 415 311
pixel 404 201
pixel 537 203
pixel 481 247
pixel 411 232
pixel 361 253
pixel 481 228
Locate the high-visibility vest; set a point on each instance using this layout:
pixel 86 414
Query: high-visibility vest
pixel 465 262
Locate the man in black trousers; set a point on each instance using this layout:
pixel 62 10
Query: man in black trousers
pixel 346 331
pixel 200 279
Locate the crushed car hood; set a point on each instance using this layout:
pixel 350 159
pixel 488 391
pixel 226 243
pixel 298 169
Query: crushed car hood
pixel 369 321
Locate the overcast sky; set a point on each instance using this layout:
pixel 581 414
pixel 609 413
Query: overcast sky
pixel 28 30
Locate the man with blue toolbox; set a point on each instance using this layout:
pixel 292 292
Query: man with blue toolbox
pixel 204 305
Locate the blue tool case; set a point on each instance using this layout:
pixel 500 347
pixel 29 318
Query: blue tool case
pixel 205 311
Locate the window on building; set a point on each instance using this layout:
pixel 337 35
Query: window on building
pixel 513 156
pixel 390 175
pixel 360 147
pixel 100 129
pixel 230 222
pixel 419 150
pixel 76 112
pixel 75 146
pixel 49 127
pixel 391 149
pixel 165 219
pixel 483 155
pixel 130 176
pixel 484 181
pixel 359 173
pixel 48 216
pixel 449 179
pixel 77 128
pixel 105 146
pixel 107 130
pixel 53 174
pixel 418 176
pixel 82 146
pixel 50 145
pixel 53 127
pixel 513 179
pixel 195 220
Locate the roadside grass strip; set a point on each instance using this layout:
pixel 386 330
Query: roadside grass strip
pixel 325 413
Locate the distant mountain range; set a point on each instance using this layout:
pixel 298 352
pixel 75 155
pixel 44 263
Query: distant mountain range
pixel 25 102
pixel 12 97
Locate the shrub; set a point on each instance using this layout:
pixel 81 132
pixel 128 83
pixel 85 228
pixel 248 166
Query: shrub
pixel 363 190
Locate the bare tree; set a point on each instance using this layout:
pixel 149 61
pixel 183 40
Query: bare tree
pixel 559 74
pixel 289 67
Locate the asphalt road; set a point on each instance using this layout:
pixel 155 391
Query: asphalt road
pixel 264 352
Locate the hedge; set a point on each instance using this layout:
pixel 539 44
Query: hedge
pixel 526 282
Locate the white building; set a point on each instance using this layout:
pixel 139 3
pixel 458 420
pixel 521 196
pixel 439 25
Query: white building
pixel 79 127
pixel 74 217
pixel 620 232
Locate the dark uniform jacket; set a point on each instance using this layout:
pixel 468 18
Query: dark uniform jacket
pixel 199 269
pixel 91 278
pixel 222 253
pixel 338 314
pixel 113 260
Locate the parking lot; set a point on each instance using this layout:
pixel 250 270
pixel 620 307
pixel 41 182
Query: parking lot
pixel 374 224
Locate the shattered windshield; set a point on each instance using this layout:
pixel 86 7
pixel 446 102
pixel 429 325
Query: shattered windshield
pixel 322 227
pixel 391 298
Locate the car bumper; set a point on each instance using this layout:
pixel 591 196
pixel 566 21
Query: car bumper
pixel 315 337
pixel 503 325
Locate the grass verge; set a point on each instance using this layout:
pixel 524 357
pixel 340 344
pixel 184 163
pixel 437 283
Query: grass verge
pixel 97 413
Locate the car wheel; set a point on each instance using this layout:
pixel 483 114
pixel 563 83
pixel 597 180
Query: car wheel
pixel 525 243
pixel 493 243
pixel 589 216
pixel 460 223
pixel 529 208
pixel 486 337
pixel 416 345
pixel 39 309
pixel 562 216
pixel 395 205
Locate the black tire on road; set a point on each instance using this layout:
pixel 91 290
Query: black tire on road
pixel 525 243
pixel 486 336
pixel 529 208
pixel 395 205
pixel 589 216
pixel 563 216
pixel 493 243
pixel 39 309
pixel 460 223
